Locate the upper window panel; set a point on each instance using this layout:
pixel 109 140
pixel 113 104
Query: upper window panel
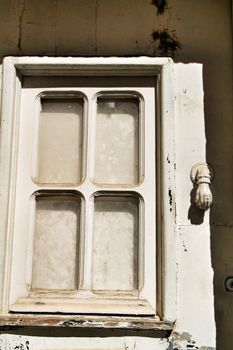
pixel 117 141
pixel 59 159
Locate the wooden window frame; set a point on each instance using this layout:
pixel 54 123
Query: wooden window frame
pixel 160 68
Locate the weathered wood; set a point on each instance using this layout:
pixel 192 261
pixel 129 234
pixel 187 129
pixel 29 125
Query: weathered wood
pixel 94 322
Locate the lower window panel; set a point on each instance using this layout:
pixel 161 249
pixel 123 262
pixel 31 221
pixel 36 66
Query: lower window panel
pixel 55 244
pixel 115 247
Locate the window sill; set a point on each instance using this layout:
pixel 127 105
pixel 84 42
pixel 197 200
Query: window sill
pixel 88 322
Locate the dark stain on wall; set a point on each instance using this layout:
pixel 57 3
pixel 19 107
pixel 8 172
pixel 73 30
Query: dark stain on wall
pixel 161 6
pixel 166 44
pixel 170 199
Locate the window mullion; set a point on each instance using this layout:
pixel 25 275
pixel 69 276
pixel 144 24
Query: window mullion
pixel 88 191
pixel 86 246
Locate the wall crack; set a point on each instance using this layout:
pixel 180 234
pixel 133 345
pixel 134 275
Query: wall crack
pixel 96 25
pixel 55 28
pixel 22 8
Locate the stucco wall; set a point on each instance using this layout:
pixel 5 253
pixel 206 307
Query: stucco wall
pixel 187 30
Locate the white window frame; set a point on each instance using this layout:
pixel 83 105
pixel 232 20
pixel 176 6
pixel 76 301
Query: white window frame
pixel 162 69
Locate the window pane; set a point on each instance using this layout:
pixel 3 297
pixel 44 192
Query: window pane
pixel 56 236
pixel 60 141
pixel 115 250
pixel 117 141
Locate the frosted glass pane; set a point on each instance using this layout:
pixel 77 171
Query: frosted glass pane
pixel 55 253
pixel 115 250
pixel 60 141
pixel 117 141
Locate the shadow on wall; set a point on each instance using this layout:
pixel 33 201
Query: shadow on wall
pixel 195 215
pixel 82 332
pixel 219 154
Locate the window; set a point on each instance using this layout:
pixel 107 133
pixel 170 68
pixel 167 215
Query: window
pixel 86 203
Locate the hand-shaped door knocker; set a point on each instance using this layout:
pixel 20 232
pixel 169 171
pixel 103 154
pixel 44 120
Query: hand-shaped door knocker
pixel 201 175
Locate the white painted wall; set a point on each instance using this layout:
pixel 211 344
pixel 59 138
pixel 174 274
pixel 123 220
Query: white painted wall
pixel 195 274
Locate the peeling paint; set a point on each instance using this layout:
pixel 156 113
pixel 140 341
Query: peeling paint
pixel 22 346
pixel 184 341
pixel 93 322
pixel 72 323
